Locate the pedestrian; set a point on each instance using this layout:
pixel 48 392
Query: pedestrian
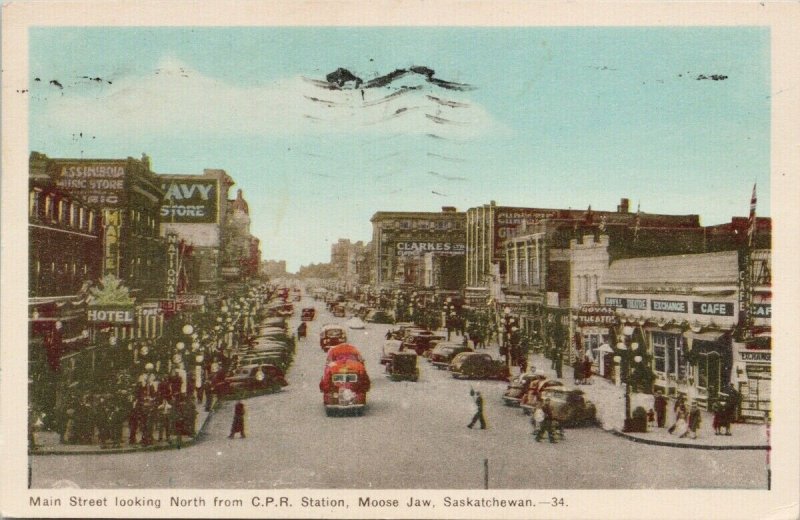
pixel 719 411
pixel 660 407
pixel 301 330
pixel 729 412
pixel 694 421
pixel 523 363
pixel 546 423
pixel 651 418
pixel 681 426
pixel 479 411
pixel 587 370
pixel 537 418
pixel 577 371
pixel 679 408
pixel 238 420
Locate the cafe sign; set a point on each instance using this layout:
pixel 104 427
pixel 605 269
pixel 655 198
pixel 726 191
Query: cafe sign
pixel 111 314
pixel 713 308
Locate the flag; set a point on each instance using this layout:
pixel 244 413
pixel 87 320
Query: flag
pixel 751 223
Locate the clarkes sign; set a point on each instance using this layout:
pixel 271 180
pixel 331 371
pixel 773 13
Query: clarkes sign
pixel 189 201
pixel 414 248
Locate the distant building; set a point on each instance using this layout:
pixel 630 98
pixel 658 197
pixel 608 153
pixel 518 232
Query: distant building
pixel 401 241
pixel 273 268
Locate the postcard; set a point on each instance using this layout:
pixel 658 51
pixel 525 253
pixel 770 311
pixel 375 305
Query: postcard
pixel 399 259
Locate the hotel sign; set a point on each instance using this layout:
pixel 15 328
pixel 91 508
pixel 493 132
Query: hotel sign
pixel 115 314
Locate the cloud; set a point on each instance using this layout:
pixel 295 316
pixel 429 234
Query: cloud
pixel 175 99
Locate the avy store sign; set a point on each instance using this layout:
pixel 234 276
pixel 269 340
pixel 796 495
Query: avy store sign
pixel 94 182
pixel 189 201
pixel 414 248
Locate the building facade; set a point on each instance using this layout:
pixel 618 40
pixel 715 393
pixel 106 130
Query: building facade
pixel 401 241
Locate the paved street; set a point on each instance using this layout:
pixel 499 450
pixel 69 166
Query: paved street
pixel 413 435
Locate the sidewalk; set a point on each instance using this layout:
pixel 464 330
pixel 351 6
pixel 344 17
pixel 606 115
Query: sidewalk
pixel 47 442
pixel 610 402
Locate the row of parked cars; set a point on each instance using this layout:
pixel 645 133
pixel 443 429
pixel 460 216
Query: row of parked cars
pixel 260 366
pixel 460 360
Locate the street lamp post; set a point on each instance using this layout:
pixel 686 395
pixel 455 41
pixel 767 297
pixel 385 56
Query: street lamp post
pixel 630 356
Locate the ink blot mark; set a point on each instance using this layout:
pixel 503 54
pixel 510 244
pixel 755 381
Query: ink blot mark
pixel 447 177
pixel 342 78
pixel 713 77
pixel 56 83
pixel 437 193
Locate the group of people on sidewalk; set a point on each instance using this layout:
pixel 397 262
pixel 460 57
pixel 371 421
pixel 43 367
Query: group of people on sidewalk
pixel 688 419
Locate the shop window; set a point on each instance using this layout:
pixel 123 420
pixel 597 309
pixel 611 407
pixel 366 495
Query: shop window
pixel 659 357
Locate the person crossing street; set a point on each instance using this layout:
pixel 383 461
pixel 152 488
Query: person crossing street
pixel 479 411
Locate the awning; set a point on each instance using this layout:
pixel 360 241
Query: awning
pixel 705 336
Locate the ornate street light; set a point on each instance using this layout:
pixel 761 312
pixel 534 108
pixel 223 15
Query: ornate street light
pixel 631 356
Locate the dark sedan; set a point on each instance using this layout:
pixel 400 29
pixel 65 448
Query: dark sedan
pixel 252 379
pixel 444 352
pixel 477 365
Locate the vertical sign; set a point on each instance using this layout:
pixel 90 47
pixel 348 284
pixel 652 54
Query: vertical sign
pixel 172 266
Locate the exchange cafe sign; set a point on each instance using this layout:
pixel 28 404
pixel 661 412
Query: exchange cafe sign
pixel 414 248
pixel 189 201
pixel 111 314
pixel 597 315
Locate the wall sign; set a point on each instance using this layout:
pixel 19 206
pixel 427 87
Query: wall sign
pixel 418 247
pixel 115 314
pixel 639 304
pixel 669 306
pixel 713 308
pixel 94 182
pixel 189 201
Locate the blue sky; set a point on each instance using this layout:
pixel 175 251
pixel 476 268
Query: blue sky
pixel 556 117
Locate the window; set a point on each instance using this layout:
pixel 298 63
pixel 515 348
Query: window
pixel 48 206
pixel 91 221
pixel 405 224
pixel 668 355
pixel 73 215
pixel 63 211
pixel 82 218
pixel 33 203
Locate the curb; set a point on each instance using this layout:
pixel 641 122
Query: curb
pixel 689 446
pixel 190 441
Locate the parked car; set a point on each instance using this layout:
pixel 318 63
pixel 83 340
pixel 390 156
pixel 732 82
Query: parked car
pixel 390 346
pixel 308 314
pixel 420 341
pixel 252 378
pixel 402 366
pixel 338 311
pixel 519 387
pixel 331 335
pixel 355 323
pixel 531 397
pixel 444 352
pixel 570 406
pixel 377 316
pixel 477 365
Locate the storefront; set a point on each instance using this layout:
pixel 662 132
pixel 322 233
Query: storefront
pixel 593 334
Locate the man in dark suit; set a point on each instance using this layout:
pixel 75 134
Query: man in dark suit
pixel 479 412
pixel 660 407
